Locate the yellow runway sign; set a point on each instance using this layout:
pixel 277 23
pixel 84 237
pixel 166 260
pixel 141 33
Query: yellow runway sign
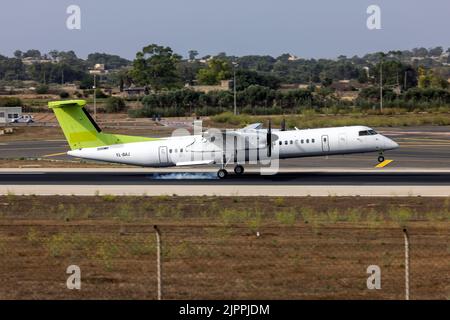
pixel 383 164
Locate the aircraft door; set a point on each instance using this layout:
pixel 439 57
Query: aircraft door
pixel 325 144
pixel 163 155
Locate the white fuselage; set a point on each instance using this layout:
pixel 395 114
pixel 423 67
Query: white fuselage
pixel 198 149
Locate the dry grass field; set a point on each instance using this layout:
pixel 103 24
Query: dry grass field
pixel 222 247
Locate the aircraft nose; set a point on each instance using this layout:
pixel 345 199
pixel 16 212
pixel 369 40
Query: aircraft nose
pixel 390 144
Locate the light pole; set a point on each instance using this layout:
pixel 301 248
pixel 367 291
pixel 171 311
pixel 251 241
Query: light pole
pixel 95 97
pixel 381 84
pixel 235 64
pixel 98 69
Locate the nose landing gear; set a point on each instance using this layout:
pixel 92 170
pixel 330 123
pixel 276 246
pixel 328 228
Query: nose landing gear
pixel 380 158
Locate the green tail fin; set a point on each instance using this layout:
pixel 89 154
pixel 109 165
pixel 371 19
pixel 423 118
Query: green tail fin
pixel 80 129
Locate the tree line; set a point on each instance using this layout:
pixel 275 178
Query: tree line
pixel 415 76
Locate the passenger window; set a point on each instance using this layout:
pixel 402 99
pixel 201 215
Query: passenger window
pixel 307 140
pixel 170 150
pixel 181 150
pixel 303 141
pixel 281 142
pixel 313 140
pixel 286 142
pixel 292 142
pixel 176 150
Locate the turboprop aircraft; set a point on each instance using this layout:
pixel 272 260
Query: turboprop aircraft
pixel 211 147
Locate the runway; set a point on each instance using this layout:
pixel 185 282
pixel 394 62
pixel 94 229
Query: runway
pixel 330 182
pixel 291 178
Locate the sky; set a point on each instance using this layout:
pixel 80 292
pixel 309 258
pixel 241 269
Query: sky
pixel 308 29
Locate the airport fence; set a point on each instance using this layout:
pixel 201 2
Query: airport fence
pixel 43 261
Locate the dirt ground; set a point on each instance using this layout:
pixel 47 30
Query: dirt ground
pixel 223 247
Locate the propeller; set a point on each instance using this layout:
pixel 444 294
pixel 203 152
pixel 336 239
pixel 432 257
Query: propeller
pixel 269 139
pixel 283 124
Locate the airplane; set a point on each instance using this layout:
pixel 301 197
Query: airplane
pixel 211 147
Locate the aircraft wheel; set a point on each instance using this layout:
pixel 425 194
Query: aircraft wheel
pixel 239 170
pixel 380 159
pixel 222 174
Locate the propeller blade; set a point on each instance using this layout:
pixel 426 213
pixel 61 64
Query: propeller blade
pixel 269 139
pixel 283 124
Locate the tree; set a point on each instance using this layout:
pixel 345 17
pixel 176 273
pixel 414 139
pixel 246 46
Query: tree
pixel 10 102
pixel 115 104
pixel 42 89
pixel 109 60
pixel 394 73
pixel 187 70
pixel 12 69
pixel 32 54
pixel 246 78
pixel 327 82
pixel 257 63
pixel 54 54
pixel 218 69
pixel 99 94
pixel 429 79
pixel 420 52
pixel 156 66
pixel 436 52
pixel 18 54
pixel 192 55
pixel 64 94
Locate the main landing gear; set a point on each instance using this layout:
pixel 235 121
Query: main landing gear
pixel 222 173
pixel 239 170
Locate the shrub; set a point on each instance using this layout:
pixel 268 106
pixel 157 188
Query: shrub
pixel 286 217
pixel 99 94
pixel 115 104
pixel 64 95
pixel 10 102
pixel 42 89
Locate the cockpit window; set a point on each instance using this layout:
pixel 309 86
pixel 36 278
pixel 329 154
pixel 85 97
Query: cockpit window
pixel 368 133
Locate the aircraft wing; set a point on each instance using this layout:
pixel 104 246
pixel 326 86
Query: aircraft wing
pixel 253 126
pixel 194 163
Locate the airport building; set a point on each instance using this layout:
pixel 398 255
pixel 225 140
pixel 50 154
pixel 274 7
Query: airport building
pixel 9 113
